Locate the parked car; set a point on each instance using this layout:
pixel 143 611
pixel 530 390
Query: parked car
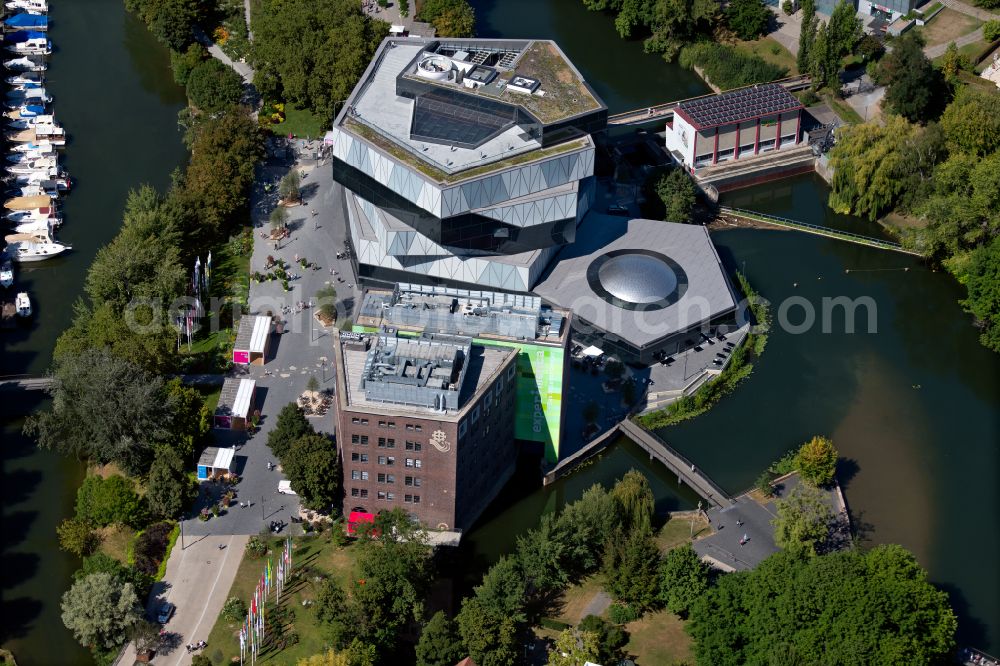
pixel 165 612
pixel 285 488
pixel 618 209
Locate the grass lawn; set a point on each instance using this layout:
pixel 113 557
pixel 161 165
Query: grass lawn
pixel 770 50
pixel 948 26
pixel 843 109
pixel 976 81
pixel 312 557
pixel 577 597
pixel 300 122
pixel 987 61
pixel 115 540
pixel 659 638
pixel 677 532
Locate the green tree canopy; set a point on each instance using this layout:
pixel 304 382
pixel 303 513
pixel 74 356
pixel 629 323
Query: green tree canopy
pixel 440 644
pixel 610 638
pixel 451 18
pixel 878 605
pixel 748 18
pixel 807 34
pixel 290 426
pixel 683 578
pixel 170 21
pixel 574 647
pixel 845 29
pixel 312 52
pixel 104 409
pixel 99 609
pixel 109 501
pixel 489 620
pixel 313 468
pixel 816 461
pixel 213 87
pixel 804 521
pixel 913 88
pixel 77 536
pixel 167 489
pixel 585 525
pixel 635 501
pixel 981 274
pixel 631 560
pixel 676 190
pixel 971 122
pixel 541 555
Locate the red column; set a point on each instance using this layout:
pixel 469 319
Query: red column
pixel 798 127
pixel 715 151
pixel 736 148
pixel 756 139
pixel 777 139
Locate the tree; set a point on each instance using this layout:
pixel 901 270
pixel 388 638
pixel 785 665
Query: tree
pixel 540 556
pixel 676 191
pixel 671 23
pixel 213 87
pixel 104 409
pixel 610 638
pixel 313 468
pixel 803 521
pixel 871 48
pixel 145 636
pixel 981 275
pixel 328 658
pixel 191 424
pixel 290 426
pixel 824 63
pixel 845 29
pixel 103 502
pixel 99 609
pixel 77 536
pixel 439 643
pixel 807 34
pixel 451 18
pixel 288 187
pixel 489 621
pixel 630 567
pixel 912 82
pixel 952 63
pixel 278 219
pixel 971 123
pixel 886 612
pixel 787 7
pixel 817 461
pixel 183 63
pixel 341 616
pixel 683 578
pixel 167 490
pixel 326 299
pixel 635 501
pixel 170 21
pixel 584 524
pixel 101 563
pixel 991 30
pixel 574 648
pixel 748 18
pixel 234 610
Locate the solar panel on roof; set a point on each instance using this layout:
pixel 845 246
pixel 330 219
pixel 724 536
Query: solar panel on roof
pixel 738 105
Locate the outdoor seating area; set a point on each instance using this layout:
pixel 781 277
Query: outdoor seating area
pixel 315 403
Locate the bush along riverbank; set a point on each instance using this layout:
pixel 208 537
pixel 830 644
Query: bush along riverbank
pixel 739 368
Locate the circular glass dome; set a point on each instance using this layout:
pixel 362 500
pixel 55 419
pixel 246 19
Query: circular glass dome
pixel 637 278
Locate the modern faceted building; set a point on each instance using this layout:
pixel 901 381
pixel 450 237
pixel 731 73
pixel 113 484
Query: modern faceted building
pixel 465 162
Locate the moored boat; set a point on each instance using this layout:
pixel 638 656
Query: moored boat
pixel 37 164
pixel 25 248
pixel 27 21
pixel 26 203
pixel 6 274
pixel 23 304
pixel 33 6
pixel 34 215
pixel 26 64
pixel 25 77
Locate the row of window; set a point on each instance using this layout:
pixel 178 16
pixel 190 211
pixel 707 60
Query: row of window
pixel 386 443
pixel 416 463
pixel 386 424
pixel 391 497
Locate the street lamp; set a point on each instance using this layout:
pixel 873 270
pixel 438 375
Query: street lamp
pixel 322 363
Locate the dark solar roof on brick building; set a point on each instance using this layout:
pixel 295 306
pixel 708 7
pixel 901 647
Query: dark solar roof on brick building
pixel 738 105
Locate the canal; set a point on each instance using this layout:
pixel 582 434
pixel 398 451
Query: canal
pixel 912 406
pixel 114 94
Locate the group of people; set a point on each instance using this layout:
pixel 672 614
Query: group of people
pixel 194 647
pixel 277 526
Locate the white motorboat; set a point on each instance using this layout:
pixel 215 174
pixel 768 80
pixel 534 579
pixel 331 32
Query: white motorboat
pixel 6 274
pixel 35 46
pixel 26 64
pixel 33 6
pixel 25 77
pixel 35 177
pixel 43 229
pixel 39 164
pixel 26 111
pixel 36 96
pixel 44 188
pixel 42 145
pixel 34 215
pixel 27 249
pixel 40 134
pixel 22 157
pixel 23 304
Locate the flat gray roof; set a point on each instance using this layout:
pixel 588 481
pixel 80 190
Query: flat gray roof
pixel 708 293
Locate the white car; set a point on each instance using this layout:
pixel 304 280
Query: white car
pixel 285 488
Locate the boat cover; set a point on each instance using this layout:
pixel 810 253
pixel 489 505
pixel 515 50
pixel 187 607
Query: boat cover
pixel 23 36
pixel 26 20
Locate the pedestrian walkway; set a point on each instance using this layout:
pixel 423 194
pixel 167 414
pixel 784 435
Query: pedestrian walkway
pixel 391 15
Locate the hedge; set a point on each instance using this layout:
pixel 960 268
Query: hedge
pixel 727 68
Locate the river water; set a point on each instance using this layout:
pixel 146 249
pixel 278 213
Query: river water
pixel 115 96
pixel 913 407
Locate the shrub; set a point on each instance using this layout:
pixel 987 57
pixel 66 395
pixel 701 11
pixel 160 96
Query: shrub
pixel 213 87
pixel 728 68
pixel 234 609
pixel 102 502
pixel 816 461
pixel 150 547
pixel 256 547
pixel 623 613
pixel 77 537
pixel 787 7
pixel 991 30
pixel 551 623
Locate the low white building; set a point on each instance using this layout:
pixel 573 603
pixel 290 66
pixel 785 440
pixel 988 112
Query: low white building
pixel 739 123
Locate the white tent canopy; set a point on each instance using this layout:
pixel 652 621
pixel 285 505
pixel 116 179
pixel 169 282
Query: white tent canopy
pixel 592 351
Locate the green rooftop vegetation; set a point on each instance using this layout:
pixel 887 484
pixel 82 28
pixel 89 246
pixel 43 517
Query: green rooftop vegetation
pixel 429 170
pixel 565 93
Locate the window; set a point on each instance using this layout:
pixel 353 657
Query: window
pixel 408 499
pixel 364 475
pixel 416 463
pixel 381 478
pixel 409 426
pixel 364 493
pixel 390 443
pixel 475 414
pixel 392 425
pixel 381 442
pixel 364 421
pixel 381 460
pixel 416 499
pixel 409 462
pixel 355 457
pixel 390 496
pixel 381 424
pixel 381 495
pixel 408 481
pixel 364 457
pixel 413 446
pixel 413 481
pixel 355 420
pixel 355 439
pixel 391 461
pixel 463 428
pixel 364 440
pixel 354 492
pixel 418 428
pixel 356 474
pixel 390 478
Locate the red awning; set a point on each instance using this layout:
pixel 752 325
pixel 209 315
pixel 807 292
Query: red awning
pixel 358 517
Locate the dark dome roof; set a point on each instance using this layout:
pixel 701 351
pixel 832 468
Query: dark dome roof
pixel 637 278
